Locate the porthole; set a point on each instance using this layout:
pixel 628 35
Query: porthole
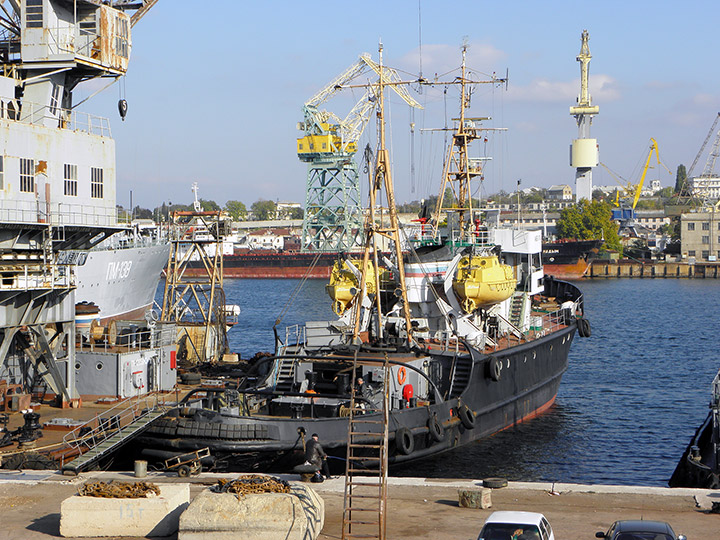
pixel 508 363
pixel 551 347
pixel 99 366
pixel 525 359
pixel 534 355
pixel 77 366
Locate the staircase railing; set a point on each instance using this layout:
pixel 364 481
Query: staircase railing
pixel 113 427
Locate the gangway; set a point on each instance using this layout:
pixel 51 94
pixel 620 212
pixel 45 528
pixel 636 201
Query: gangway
pixel 103 434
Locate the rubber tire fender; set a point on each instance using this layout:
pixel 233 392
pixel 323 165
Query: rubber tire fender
pixel 404 441
pixel 435 429
pixel 495 369
pixel 466 416
pixel 584 328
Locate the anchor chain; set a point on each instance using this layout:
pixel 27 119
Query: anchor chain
pixel 250 484
pixel 118 490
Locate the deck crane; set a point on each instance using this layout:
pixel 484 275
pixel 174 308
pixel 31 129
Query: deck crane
pixel 333 213
pixel 627 202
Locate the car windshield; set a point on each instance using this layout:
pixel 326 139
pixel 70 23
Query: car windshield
pixel 643 536
pixel 509 531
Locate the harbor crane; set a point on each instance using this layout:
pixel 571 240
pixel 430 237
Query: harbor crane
pixel 333 210
pixel 627 201
pixel 703 186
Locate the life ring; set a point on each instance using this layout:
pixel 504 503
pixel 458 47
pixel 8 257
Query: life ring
pixel 402 375
pixel 435 429
pixel 404 441
pixel 495 369
pixel 467 418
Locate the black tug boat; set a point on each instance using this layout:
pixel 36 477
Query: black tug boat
pixel 461 336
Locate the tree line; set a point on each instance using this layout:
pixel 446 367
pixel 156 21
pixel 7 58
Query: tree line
pixel 259 210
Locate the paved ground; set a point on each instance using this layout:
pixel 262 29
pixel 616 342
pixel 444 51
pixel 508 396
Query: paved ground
pixel 418 509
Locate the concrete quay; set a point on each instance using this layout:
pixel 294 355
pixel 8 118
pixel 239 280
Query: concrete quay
pixel 417 508
pixel 600 269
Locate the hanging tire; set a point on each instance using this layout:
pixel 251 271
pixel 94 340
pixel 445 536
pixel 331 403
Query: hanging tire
pixel 183 471
pixel 494 369
pixel 435 429
pixel 404 441
pixel 584 328
pixel 467 418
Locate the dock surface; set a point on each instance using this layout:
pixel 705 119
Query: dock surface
pixel 418 508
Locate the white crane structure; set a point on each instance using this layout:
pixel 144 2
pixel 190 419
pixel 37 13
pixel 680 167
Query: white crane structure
pixel 584 150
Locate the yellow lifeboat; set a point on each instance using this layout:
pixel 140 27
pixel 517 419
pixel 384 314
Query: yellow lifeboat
pixel 482 281
pixel 344 286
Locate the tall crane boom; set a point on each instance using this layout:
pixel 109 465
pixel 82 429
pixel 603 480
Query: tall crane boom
pixel 702 148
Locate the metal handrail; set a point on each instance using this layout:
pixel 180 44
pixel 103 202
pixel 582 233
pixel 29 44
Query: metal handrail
pixel 112 421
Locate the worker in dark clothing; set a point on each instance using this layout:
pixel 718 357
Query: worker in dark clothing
pixel 315 454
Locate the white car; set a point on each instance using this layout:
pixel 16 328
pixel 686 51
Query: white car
pixel 516 526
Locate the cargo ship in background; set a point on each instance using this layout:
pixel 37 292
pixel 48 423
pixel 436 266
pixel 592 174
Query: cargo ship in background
pixel 569 259
pixel 283 258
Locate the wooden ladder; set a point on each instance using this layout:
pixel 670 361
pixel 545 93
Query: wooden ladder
pixel 365 501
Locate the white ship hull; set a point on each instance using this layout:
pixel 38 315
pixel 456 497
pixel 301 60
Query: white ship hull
pixel 121 282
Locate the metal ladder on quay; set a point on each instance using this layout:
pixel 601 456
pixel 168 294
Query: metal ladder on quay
pixel 111 430
pixel 365 499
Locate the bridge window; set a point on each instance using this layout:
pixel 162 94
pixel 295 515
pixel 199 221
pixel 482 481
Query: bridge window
pixel 691 226
pixel 34 13
pixel 27 175
pixel 96 183
pixel 71 180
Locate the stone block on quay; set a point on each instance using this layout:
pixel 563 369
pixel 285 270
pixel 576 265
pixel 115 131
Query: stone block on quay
pixel 298 515
pixel 475 498
pixel 151 516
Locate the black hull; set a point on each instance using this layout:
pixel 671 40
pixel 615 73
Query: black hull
pixel 699 472
pixel 527 386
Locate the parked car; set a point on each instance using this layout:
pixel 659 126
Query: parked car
pixel 640 530
pixel 516 526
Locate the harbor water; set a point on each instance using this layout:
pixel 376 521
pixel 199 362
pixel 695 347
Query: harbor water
pixel 633 395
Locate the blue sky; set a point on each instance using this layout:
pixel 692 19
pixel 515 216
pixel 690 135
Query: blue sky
pixel 215 93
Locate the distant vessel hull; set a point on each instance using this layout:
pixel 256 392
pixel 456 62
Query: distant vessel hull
pixel 121 282
pixel 569 259
pixel 564 260
pixel 263 263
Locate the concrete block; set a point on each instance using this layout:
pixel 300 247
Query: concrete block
pixel 298 515
pixel 475 498
pixel 152 516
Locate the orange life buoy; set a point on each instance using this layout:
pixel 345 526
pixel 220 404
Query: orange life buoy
pixel 402 375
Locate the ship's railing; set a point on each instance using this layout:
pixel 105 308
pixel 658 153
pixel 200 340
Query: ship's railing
pixel 37 114
pixel 480 238
pixel 294 336
pixel 57 213
pixel 128 341
pixel 28 276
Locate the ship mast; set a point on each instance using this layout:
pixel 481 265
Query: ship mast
pixel 459 168
pixel 374 233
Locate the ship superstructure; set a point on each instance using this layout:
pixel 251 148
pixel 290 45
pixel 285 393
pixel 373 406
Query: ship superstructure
pixel 57 173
